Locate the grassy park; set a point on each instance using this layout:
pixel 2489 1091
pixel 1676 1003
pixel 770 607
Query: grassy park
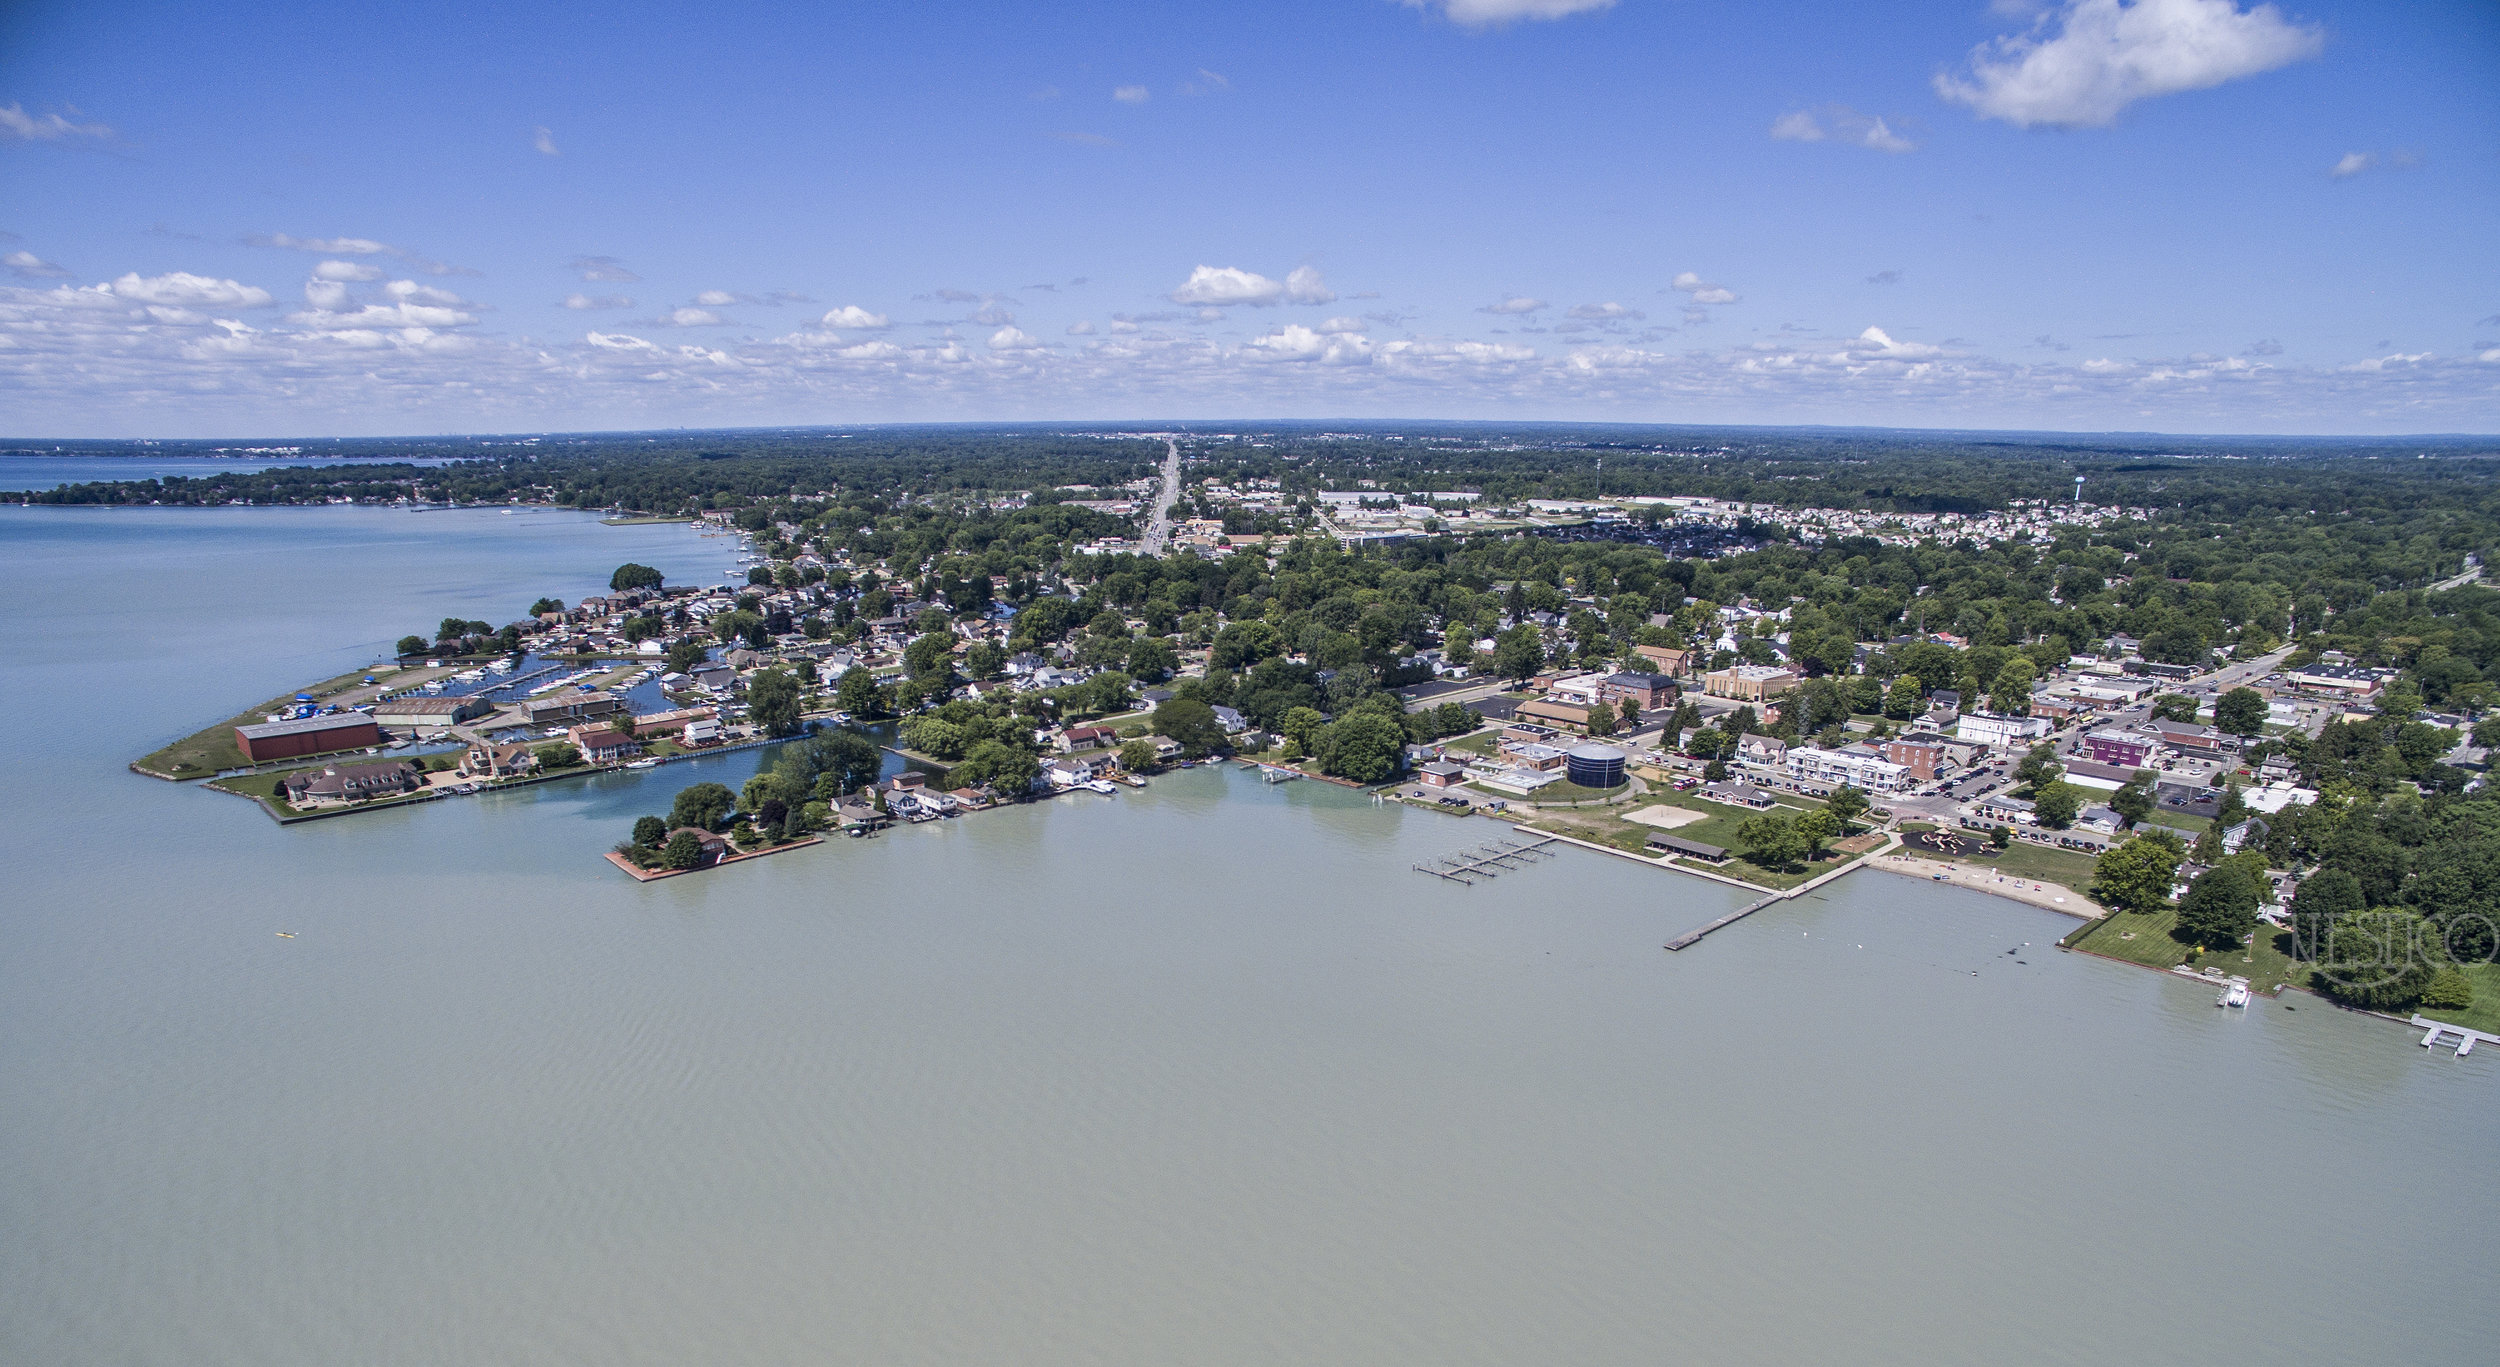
pixel 2144 938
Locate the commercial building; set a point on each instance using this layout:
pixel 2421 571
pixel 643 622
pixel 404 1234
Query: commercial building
pixel 1924 759
pixel 572 707
pixel 1748 683
pixel 1441 774
pixel 2350 681
pixel 1859 766
pixel 2125 749
pixel 1559 715
pixel 1667 660
pixel 1651 691
pixel 417 712
pixel 306 736
pixel 1990 728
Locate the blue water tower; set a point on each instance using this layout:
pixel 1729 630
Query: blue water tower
pixel 1593 766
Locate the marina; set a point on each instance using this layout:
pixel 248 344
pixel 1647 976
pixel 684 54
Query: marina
pixel 1489 860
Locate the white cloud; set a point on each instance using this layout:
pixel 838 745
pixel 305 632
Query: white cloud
pixel 329 296
pixel 991 316
pixel 2108 54
pixel 409 291
pixel 692 318
pixel 1493 13
pixel 1840 123
pixel 587 302
pixel 617 341
pixel 544 141
pixel 1702 291
pixel 327 246
pixel 603 270
pixel 2351 164
pixel 1208 83
pixel 1607 312
pixel 2376 364
pixel 1119 325
pixel 28 266
pixel 181 288
pixel 1888 349
pixel 1013 339
pixel 1081 328
pixel 1221 285
pixel 346 271
pixel 1304 286
pixel 1519 304
pixel 1341 325
pixel 720 299
pixel 1132 94
pixel 857 319
pixel 1294 342
pixel 16 123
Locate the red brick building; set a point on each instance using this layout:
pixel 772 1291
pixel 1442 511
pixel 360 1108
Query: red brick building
pixel 306 736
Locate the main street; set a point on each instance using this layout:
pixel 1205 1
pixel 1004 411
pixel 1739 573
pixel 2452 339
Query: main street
pixel 1159 527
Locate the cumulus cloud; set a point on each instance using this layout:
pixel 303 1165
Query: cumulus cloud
pixel 692 318
pixel 990 316
pixel 26 265
pixel 185 290
pixel 1294 342
pixel 588 302
pixel 1222 285
pixel 1607 312
pixel 1081 328
pixel 1517 304
pixel 2082 65
pixel 327 246
pixel 348 272
pixel 1013 339
pixel 544 141
pixel 1132 94
pixel 1702 291
pixel 857 319
pixel 1840 123
pixel 602 270
pixel 1341 325
pixel 617 341
pixel 1304 286
pixel 1882 344
pixel 1494 13
pixel 18 125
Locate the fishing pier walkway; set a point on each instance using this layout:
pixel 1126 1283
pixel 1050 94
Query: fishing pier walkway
pixel 1487 861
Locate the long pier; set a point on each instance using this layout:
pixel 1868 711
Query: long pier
pixel 1693 937
pixel 1487 861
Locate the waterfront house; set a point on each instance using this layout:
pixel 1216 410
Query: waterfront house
pixel 715 848
pixel 603 744
pixel 338 784
pixel 497 761
pixel 1077 739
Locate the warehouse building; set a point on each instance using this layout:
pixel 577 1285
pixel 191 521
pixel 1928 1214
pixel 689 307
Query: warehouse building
pixel 306 736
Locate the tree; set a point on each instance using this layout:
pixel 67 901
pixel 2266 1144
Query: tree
pixel 1715 771
pixel 2010 693
pixel 2057 805
pixel 649 831
pixel 546 605
pixel 1818 829
pixel 2001 836
pixel 860 694
pixel 703 805
pixel 1003 767
pixel 2242 712
pixel 1364 745
pixel 931 656
pixel 684 851
pixel 1601 720
pixel 560 755
pixel 1903 700
pixel 2174 707
pixel 1191 723
pixel 2039 767
pixel 1630 708
pixel 2448 990
pixel 2220 907
pixel 1244 644
pixel 773 702
pixel 934 736
pixel 2137 875
pixel 1151 659
pixel 842 760
pixel 684 655
pixel 1299 725
pixel 1518 653
pixel 412 645
pixel 1847 803
pixel 2134 801
pixel 1771 840
pixel 633 576
pixel 1137 756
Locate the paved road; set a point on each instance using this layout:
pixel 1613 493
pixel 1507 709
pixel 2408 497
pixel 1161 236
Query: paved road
pixel 1159 527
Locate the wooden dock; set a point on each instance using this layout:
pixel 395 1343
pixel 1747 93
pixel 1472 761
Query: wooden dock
pixel 2440 1032
pixel 1693 937
pixel 1488 861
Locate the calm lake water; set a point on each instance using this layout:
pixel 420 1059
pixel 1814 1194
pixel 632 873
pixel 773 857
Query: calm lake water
pixel 1196 1074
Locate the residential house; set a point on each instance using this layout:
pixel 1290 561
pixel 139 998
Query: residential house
pixel 497 761
pixel 714 847
pixel 1770 752
pixel 1077 739
pixel 604 745
pixel 343 783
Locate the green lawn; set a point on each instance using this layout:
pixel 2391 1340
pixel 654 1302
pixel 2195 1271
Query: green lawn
pixel 205 752
pixel 2144 938
pixel 1718 827
pixel 2069 868
pixel 2484 1013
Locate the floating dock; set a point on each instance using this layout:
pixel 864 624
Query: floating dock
pixel 1487 861
pixel 2441 1031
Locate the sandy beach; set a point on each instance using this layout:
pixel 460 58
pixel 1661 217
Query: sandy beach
pixel 2053 896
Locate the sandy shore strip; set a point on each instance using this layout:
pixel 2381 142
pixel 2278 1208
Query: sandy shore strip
pixel 2052 896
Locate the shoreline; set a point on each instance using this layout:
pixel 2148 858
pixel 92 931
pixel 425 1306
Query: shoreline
pixel 2055 897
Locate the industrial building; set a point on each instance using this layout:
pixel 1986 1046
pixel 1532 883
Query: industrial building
pixel 306 736
pixel 1593 766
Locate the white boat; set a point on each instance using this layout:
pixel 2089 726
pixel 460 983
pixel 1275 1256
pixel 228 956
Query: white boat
pixel 1100 785
pixel 2234 995
pixel 644 764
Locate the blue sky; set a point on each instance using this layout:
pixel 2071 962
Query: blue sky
pixel 2186 215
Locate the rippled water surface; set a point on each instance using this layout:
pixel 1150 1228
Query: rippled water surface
pixel 1202 1073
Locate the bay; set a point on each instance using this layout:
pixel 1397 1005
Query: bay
pixel 1199 1073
